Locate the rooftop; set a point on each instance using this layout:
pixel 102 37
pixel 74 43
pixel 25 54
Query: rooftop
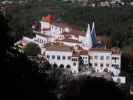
pixel 75 32
pixel 100 50
pixel 75 54
pixel 83 52
pixel 71 40
pixel 116 50
pixel 58 47
pixel 44 35
pixel 48 18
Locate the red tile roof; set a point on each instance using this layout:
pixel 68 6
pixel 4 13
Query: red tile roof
pixel 48 18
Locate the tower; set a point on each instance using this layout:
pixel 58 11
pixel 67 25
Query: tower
pixel 93 35
pixel 87 43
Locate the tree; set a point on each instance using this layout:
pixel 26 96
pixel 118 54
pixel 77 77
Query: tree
pixel 20 76
pixel 32 49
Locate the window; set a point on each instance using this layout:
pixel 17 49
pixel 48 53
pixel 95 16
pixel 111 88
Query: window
pixel 115 58
pixel 58 57
pixel 74 64
pixel 61 66
pixel 48 56
pixel 63 57
pixel 105 70
pixel 74 59
pixel 96 57
pixel 90 64
pixel 102 57
pixel 107 65
pixel 95 64
pixel 68 66
pixel 115 66
pixel 53 57
pixel 91 57
pixel 84 57
pixel 69 57
pixel 86 62
pixel 107 57
pixel 101 65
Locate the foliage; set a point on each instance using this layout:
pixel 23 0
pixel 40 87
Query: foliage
pixel 115 22
pixel 32 49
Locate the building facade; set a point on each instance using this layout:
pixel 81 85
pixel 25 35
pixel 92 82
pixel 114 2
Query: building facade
pixel 70 48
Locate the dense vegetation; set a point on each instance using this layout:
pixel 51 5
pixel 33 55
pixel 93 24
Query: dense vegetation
pixel 32 49
pixel 115 22
pixel 22 80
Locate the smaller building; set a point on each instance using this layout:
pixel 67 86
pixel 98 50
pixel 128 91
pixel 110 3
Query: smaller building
pixel 62 55
pixel 105 60
pixel 119 79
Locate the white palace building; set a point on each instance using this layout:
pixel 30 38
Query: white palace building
pixel 63 44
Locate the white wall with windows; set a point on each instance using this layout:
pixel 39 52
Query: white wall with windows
pixel 61 57
pixel 100 60
pixel 44 25
pixel 116 64
pixel 40 39
pixel 56 29
pixel 85 59
pixel 75 64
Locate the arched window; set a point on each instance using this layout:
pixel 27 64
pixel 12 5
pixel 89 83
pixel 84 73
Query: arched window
pixel 61 66
pixel 106 70
pixel 68 66
pixel 55 65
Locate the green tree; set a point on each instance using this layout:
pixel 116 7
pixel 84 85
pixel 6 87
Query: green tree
pixel 32 49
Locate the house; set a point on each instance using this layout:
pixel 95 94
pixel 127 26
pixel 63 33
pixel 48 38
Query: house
pixel 105 60
pixel 61 54
pixel 100 59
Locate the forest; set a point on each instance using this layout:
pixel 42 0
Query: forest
pixel 113 22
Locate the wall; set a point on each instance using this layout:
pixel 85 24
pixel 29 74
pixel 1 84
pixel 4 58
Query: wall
pixel 97 60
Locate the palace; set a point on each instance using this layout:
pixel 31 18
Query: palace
pixel 73 49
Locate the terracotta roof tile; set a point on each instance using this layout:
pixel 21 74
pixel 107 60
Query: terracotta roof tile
pixel 48 18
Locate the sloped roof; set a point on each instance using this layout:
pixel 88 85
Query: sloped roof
pixel 83 52
pixel 75 54
pixel 58 47
pixel 48 18
pixel 100 49
pixel 71 40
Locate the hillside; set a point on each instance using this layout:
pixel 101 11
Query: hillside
pixel 114 22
